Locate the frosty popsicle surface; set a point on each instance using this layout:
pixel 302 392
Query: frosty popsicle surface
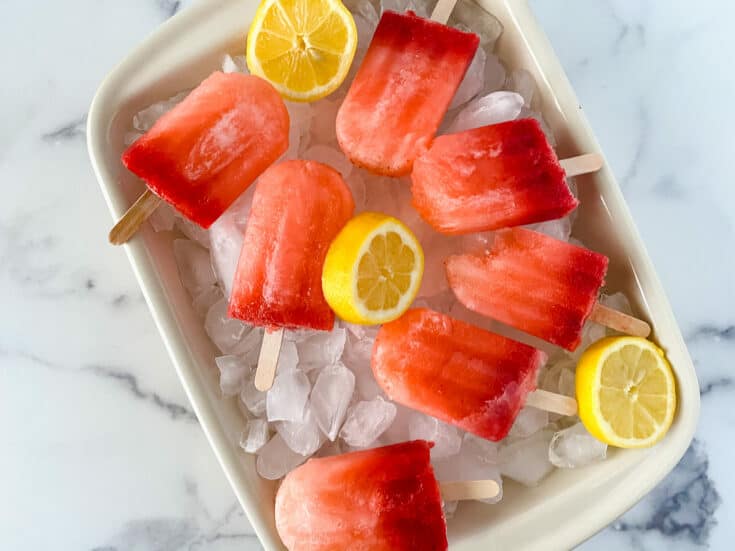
pixel 394 106
pixel 383 499
pixel 206 151
pixel 454 371
pixel 298 208
pixel 491 177
pixel 533 282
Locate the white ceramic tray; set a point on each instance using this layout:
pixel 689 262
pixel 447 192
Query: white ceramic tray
pixel 569 506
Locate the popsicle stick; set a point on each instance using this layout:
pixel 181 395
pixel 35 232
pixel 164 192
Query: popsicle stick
pixel 619 321
pixel 554 403
pixel 470 489
pixel 270 350
pixel 134 218
pixel 443 10
pixel 582 164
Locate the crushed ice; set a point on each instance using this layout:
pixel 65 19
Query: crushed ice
pixel 325 399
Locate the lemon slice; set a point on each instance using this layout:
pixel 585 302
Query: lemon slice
pixel 626 392
pixel 303 47
pixel 373 269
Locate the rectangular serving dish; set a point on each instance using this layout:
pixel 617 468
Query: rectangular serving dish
pixel 567 507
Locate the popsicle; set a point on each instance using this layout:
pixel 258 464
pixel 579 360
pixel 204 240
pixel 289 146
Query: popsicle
pixel 402 90
pixel 494 177
pixel 383 499
pixel 457 372
pixel 538 284
pixel 206 151
pixel 298 209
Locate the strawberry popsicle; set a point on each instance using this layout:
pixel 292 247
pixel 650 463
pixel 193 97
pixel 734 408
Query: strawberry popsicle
pixel 454 371
pixel 532 282
pixel 489 178
pixel 298 209
pixel 206 151
pixel 394 106
pixel 383 499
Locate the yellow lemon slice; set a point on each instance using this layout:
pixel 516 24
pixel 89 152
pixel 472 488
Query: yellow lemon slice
pixel 303 47
pixel 373 269
pixel 626 392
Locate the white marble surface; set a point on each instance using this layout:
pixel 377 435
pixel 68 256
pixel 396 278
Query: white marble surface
pixel 101 450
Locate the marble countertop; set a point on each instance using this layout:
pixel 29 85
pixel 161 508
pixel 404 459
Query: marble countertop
pixel 101 449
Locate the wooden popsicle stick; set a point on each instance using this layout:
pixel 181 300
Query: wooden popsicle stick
pixel 134 218
pixel 554 403
pixel 270 351
pixel 470 489
pixel 442 11
pixel 619 321
pixel 582 164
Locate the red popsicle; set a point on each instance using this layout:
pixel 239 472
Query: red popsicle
pixel 384 499
pixel 206 151
pixel 455 371
pixel 533 282
pixel 399 96
pixel 489 178
pixel 298 209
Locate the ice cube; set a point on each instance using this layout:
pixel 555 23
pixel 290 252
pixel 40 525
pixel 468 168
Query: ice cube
pixel 494 79
pixel 288 358
pixel 330 397
pixel 145 119
pixel 163 218
pixel 234 64
pixel 254 436
pixel 529 421
pixel 206 299
pixel 286 400
pixel 249 346
pixel 129 138
pixel 303 437
pixel 300 115
pixel 560 229
pixel 331 156
pixel 356 183
pixel 366 19
pixel 360 331
pixel 450 507
pixel 366 421
pixel 446 438
pixel 473 81
pixel 591 333
pixel 253 398
pixel 356 357
pixel 398 429
pixel 195 268
pixel 330 448
pixel 276 459
pixel 617 301
pixel 557 375
pixel 522 82
pixel 192 231
pixel 480 22
pixel 225 332
pixel 527 460
pixel 401 6
pixel 323 122
pixel 490 109
pixel 322 348
pixel 477 460
pixel 232 374
pixel 226 237
pixel 575 447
